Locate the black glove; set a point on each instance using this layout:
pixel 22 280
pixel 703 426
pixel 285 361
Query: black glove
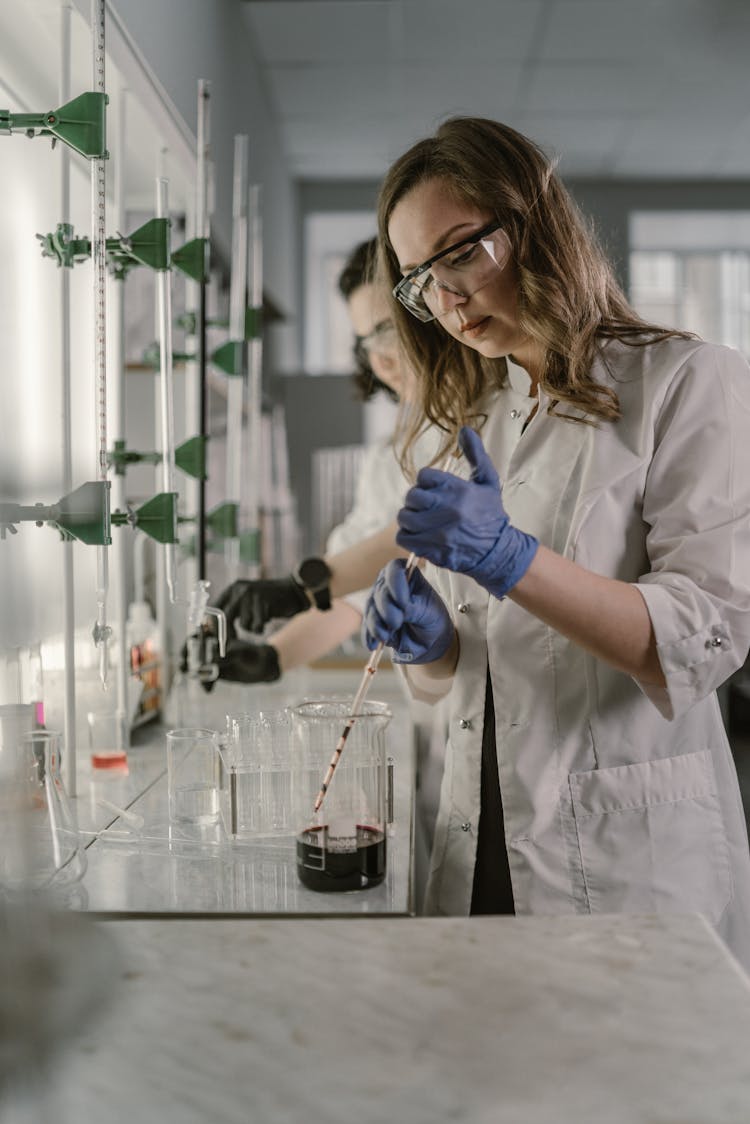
pixel 258 602
pixel 250 663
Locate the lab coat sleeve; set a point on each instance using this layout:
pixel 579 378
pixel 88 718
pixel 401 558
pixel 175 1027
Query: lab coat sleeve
pixel 697 507
pixel 378 497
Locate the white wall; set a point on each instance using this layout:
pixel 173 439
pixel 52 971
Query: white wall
pixel 182 41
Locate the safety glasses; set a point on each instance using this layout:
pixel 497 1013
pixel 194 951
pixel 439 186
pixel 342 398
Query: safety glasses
pixel 462 270
pixel 381 339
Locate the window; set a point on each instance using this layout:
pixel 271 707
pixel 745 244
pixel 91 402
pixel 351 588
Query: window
pixel 691 270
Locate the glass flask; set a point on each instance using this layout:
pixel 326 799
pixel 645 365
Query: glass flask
pixel 342 845
pixel 41 847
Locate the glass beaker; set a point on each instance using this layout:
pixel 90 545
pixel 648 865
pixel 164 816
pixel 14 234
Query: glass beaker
pixel 41 846
pixel 343 845
pixel 256 770
pixel 192 776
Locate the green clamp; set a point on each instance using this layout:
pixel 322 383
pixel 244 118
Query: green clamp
pixel 148 245
pixel 82 515
pixel 120 457
pixel 253 323
pixel 192 259
pixel 152 356
pixel 231 358
pixel 250 547
pixel 223 520
pixel 64 247
pixel 190 456
pixel 157 517
pixel 81 124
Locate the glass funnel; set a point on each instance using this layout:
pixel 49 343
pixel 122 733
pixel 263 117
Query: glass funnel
pixel 40 846
pixel 342 845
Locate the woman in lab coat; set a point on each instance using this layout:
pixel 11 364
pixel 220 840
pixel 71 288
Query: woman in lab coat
pixel 589 579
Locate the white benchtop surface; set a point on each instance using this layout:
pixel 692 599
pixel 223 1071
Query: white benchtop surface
pixel 592 1020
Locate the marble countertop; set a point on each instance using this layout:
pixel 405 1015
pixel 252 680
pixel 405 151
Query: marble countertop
pixel 546 1020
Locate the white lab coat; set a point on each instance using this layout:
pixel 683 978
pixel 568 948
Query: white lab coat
pixel 617 796
pixel 381 486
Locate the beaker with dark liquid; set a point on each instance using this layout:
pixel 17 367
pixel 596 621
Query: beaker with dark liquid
pixel 342 846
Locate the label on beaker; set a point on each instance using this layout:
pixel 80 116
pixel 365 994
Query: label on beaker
pixel 326 862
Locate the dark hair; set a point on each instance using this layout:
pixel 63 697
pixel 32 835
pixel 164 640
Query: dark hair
pixel 569 299
pixel 359 270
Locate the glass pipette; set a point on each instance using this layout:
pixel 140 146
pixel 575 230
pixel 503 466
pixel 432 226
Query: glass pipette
pixel 367 676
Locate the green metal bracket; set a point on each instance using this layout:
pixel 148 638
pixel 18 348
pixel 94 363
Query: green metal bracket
pixel 188 321
pixel 253 323
pixel 230 358
pixel 121 456
pixel 223 520
pixel 157 518
pixel 148 245
pixel 64 247
pixel 81 124
pixel 190 456
pixel 81 515
pixel 192 259
pixel 250 547
pixel 152 356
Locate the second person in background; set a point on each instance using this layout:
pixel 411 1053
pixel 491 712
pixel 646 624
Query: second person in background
pixel 322 621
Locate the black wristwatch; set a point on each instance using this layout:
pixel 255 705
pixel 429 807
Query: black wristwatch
pixel 314 576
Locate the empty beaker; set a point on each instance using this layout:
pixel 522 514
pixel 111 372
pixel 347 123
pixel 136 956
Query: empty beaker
pixel 342 845
pixel 41 846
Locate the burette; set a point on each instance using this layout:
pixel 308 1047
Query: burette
pixel 166 386
pixel 255 363
pixel 101 631
pixel 237 307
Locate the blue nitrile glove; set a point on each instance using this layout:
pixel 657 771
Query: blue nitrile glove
pixel 407 615
pixel 462 525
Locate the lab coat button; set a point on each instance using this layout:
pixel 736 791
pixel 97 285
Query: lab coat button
pixel 515 414
pixel 465 827
pixel 464 723
pixel 717 641
pixel 463 606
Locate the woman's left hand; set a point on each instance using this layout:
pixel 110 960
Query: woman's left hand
pixel 461 525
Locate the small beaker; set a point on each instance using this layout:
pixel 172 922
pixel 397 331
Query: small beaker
pixel 41 846
pixel 343 845
pixel 256 771
pixel 192 776
pixel 16 719
pixel 108 742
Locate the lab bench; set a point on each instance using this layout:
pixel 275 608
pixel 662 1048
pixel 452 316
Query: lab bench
pixel 502 1020
pixel 162 868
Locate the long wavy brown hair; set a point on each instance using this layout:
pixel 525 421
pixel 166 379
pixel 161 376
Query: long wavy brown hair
pixel 569 300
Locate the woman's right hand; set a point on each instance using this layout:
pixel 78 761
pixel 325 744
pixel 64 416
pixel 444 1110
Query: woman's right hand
pixel 406 614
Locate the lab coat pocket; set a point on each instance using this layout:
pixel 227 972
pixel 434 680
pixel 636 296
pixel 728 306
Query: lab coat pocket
pixel 651 838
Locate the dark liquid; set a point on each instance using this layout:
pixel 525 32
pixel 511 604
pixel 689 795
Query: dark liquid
pixel 322 868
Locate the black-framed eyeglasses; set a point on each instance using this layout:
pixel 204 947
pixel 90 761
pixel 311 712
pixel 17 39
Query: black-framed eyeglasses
pixel 467 267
